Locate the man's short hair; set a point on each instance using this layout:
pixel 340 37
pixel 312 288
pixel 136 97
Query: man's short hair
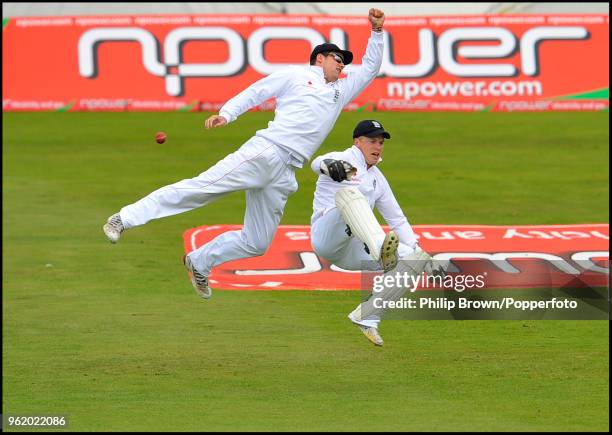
pixel 313 60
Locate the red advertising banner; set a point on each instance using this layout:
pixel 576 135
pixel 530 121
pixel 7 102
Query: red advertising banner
pixel 525 256
pixel 197 62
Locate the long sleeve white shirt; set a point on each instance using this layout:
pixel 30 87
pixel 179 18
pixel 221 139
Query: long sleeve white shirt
pixel 306 107
pixel 370 182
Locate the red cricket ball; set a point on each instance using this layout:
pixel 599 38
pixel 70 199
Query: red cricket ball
pixel 160 137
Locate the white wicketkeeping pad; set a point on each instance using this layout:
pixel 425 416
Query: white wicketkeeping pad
pixel 357 213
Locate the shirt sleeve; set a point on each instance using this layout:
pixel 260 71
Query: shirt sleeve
pixel 360 78
pixel 270 86
pixel 391 211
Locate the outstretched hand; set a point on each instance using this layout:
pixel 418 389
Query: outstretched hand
pixel 215 121
pixel 377 18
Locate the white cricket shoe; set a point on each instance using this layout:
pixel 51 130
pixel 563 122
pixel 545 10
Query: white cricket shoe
pixel 370 332
pixel 388 251
pixel 113 228
pixel 198 279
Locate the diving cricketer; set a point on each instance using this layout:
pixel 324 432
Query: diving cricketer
pixel 309 100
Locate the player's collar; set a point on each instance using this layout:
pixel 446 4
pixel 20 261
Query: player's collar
pixel 318 71
pixel 360 157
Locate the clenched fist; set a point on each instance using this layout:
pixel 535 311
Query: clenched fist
pixel 377 18
pixel 215 121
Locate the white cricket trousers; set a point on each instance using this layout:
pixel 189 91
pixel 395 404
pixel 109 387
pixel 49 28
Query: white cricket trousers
pixel 331 241
pixel 259 167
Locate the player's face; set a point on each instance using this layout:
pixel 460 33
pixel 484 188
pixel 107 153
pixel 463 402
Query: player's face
pixel 332 66
pixel 371 147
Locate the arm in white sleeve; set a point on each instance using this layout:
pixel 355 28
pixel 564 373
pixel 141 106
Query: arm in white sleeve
pixel 271 86
pixel 391 211
pixel 356 81
pixel 316 165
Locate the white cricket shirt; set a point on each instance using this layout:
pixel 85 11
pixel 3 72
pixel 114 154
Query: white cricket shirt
pixel 306 107
pixel 370 182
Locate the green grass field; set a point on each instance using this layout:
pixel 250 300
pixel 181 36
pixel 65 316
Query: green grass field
pixel 114 336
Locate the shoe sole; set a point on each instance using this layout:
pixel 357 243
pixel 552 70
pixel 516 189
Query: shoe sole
pixel 388 252
pixel 370 339
pixel 189 268
pixel 108 230
pixel 362 329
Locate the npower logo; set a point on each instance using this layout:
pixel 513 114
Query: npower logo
pixel 435 51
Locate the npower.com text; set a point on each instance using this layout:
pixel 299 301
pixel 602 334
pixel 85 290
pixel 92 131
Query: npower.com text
pixel 498 88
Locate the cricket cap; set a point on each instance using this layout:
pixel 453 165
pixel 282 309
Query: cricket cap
pixel 346 55
pixel 370 128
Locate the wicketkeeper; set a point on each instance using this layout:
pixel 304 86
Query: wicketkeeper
pixel 344 229
pixel 309 100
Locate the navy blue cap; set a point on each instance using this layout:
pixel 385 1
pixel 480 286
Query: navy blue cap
pixel 347 56
pixel 370 128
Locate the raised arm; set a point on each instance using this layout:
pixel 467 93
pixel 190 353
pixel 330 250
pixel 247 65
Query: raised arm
pixel 268 87
pixel 360 78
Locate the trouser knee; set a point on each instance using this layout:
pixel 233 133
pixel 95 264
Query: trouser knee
pixel 256 247
pixel 328 251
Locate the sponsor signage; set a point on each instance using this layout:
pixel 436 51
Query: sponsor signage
pixel 509 256
pixel 197 62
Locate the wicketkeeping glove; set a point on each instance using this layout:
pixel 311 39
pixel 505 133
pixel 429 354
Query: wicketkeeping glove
pixel 338 170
